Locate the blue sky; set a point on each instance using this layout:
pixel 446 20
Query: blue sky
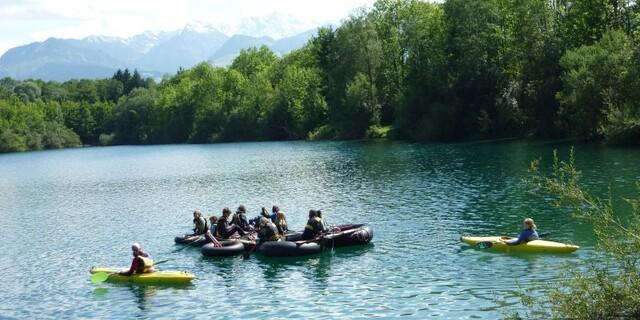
pixel 25 21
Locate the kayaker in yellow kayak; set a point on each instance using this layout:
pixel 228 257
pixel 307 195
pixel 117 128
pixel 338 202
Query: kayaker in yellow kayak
pixel 528 233
pixel 141 263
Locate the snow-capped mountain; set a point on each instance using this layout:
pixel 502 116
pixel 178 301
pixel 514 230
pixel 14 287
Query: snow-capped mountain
pixel 154 53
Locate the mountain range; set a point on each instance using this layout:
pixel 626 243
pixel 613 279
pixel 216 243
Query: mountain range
pixel 152 53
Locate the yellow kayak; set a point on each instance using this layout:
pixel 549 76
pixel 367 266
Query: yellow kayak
pixel 497 244
pixel 158 277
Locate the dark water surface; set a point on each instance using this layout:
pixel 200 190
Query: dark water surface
pixel 65 211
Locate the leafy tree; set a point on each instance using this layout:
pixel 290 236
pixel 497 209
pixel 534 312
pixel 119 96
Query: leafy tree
pixel 28 91
pixel 596 77
pixel 254 60
pixel 133 117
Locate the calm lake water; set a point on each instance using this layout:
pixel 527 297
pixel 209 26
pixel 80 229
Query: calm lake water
pixel 67 210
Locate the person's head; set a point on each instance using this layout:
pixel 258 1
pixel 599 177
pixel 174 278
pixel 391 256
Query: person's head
pixel 280 216
pixel 197 214
pixel 226 212
pixel 136 248
pixel 529 224
pixel 275 209
pixel 242 209
pixel 312 213
pixel 213 219
pixel 319 214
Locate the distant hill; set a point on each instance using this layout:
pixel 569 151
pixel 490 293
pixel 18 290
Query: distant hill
pixel 231 48
pixel 153 53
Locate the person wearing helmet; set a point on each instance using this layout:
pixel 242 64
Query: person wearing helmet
pixel 528 233
pixel 141 263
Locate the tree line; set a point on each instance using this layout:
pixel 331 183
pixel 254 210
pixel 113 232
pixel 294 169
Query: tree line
pixel 403 69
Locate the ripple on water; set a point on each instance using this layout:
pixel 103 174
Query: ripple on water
pixel 84 207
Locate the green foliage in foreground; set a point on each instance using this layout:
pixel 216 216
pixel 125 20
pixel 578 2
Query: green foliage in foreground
pixel 607 286
pixel 406 69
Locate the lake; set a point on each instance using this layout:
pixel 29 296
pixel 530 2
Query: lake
pixel 64 211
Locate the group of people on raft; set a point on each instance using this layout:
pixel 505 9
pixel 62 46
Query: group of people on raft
pixel 268 226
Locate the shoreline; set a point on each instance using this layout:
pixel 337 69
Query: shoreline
pixel 384 140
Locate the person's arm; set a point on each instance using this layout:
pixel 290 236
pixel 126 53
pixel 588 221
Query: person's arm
pixel 132 269
pixel 522 238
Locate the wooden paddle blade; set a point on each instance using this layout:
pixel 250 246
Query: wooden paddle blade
pixel 99 277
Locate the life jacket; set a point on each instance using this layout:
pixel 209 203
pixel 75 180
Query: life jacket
pixel 269 233
pixel 206 226
pixel 146 265
pixel 315 225
pixel 311 224
pixel 319 225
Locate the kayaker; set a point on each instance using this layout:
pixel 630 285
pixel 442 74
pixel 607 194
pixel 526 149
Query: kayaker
pixel 268 231
pixel 141 263
pixel 281 223
pixel 224 229
pixel 314 226
pixel 528 233
pixel 240 218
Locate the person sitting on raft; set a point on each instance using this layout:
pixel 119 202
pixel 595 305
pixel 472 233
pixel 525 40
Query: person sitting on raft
pixel 213 225
pixel 255 222
pixel 314 226
pixel 268 231
pixel 200 223
pixel 200 226
pixel 281 223
pixel 224 229
pixel 528 233
pixel 274 213
pixel 240 218
pixel 141 263
pixel 210 234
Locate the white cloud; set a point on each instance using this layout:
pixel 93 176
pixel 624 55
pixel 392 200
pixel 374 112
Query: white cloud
pixel 26 21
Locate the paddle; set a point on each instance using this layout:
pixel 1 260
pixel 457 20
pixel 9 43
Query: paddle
pixel 489 244
pixel 103 276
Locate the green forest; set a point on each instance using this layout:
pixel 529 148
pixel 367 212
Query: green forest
pixel 402 69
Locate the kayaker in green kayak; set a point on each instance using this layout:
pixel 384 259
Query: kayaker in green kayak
pixel 528 233
pixel 141 263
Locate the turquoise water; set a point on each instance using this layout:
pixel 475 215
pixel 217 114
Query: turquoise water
pixel 67 210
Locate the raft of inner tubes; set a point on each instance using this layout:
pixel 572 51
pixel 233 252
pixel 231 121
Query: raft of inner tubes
pixel 290 246
pixel 349 235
